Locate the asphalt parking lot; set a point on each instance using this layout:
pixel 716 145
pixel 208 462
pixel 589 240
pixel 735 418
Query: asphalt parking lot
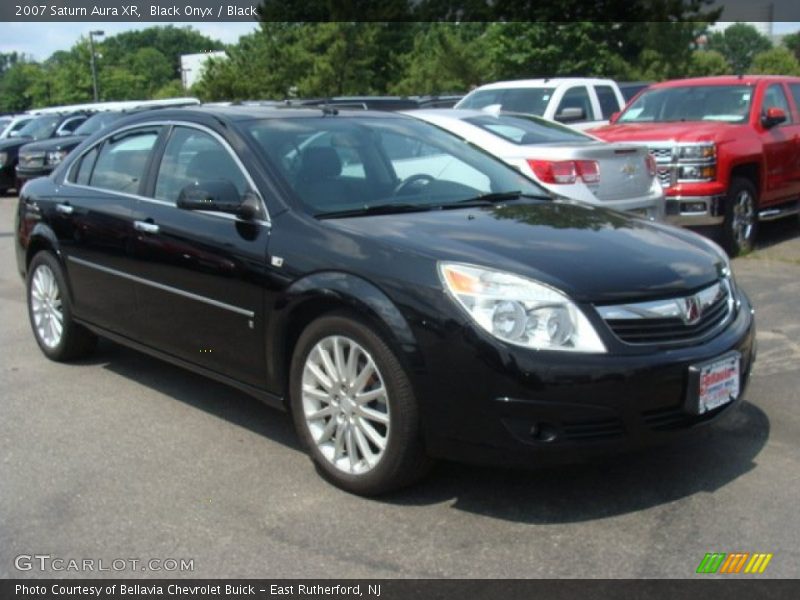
pixel 123 456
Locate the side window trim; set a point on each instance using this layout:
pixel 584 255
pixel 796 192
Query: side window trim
pixel 158 151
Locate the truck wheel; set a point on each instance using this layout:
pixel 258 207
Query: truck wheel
pixel 741 217
pixel 354 407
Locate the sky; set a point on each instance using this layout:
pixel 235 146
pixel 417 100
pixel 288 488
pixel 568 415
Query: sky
pixel 40 40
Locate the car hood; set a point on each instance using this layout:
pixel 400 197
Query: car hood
pixel 53 144
pixel 684 131
pixel 13 143
pixel 592 254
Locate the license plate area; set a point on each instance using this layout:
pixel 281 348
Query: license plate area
pixel 714 383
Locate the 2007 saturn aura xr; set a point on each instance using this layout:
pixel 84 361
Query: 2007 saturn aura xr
pixel 404 294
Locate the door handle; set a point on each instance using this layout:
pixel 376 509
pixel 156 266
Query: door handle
pixel 145 227
pixel 64 208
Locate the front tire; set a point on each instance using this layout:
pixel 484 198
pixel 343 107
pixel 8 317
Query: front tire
pixel 741 217
pixel 354 408
pixel 57 334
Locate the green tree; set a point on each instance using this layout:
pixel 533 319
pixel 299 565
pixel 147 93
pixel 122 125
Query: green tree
pixel 170 41
pixel 17 86
pixel 792 42
pixel 446 57
pixel 777 61
pixel 707 62
pixel 739 43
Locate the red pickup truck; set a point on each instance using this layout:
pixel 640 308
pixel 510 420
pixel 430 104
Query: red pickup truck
pixel 727 150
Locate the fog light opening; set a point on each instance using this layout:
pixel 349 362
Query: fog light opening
pixel 544 432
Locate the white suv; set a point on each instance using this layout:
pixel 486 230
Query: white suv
pixel 576 101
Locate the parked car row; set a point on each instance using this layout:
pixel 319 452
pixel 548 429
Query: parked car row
pixel 406 295
pixel 33 144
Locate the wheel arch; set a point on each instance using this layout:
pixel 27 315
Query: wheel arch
pixel 321 293
pixel 747 170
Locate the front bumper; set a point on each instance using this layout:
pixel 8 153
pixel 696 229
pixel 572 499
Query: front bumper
pixel 694 211
pixel 24 174
pixel 496 404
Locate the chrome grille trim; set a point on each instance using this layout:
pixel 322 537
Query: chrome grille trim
pixel 672 321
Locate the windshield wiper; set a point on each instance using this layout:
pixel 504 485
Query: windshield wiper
pixel 377 209
pixel 490 198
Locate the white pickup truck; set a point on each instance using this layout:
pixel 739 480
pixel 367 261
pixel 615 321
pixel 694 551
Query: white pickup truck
pixel 579 102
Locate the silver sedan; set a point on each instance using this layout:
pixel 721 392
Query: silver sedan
pixel 566 162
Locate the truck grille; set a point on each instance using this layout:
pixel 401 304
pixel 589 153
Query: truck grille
pixel 664 176
pixel 673 321
pixel 662 154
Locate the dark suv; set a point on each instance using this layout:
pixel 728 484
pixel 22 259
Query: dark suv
pixel 38 159
pixel 403 294
pixel 41 128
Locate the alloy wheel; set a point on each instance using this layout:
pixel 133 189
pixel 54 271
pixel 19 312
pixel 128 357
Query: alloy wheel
pixel 345 404
pixel 744 213
pixel 48 316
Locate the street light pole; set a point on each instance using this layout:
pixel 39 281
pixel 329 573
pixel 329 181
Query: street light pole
pixel 98 33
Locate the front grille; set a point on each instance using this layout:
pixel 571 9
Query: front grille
pixel 661 154
pixel 664 322
pixel 31 161
pixel 674 418
pixel 587 431
pixel 664 176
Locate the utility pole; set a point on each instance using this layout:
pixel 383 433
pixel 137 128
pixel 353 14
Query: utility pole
pixel 97 33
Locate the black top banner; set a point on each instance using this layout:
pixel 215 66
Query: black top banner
pixel 393 10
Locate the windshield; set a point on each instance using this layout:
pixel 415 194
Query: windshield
pixel 728 103
pixel 40 128
pixel 532 101
pixel 525 130
pixel 337 164
pixel 97 122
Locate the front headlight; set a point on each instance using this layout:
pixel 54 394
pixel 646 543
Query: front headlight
pixel 697 152
pixel 3 158
pixel 520 311
pixel 53 158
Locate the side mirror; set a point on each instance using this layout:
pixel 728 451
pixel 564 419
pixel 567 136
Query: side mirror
pixel 13 134
pixel 63 133
pixel 571 115
pixel 614 117
pixel 773 116
pixel 220 196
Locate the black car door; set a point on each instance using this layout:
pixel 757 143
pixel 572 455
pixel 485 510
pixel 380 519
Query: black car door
pixel 200 286
pixel 94 224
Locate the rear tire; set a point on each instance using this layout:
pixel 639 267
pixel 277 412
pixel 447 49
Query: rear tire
pixel 741 217
pixel 58 335
pixel 354 407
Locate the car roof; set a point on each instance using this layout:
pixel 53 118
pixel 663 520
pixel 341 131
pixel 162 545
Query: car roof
pixel 725 80
pixel 543 82
pixel 249 113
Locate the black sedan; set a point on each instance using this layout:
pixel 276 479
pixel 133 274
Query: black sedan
pixel 405 295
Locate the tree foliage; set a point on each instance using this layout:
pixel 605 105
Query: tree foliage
pixel 739 43
pixel 777 61
pixel 131 65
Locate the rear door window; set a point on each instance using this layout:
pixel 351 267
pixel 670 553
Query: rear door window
pixel 123 159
